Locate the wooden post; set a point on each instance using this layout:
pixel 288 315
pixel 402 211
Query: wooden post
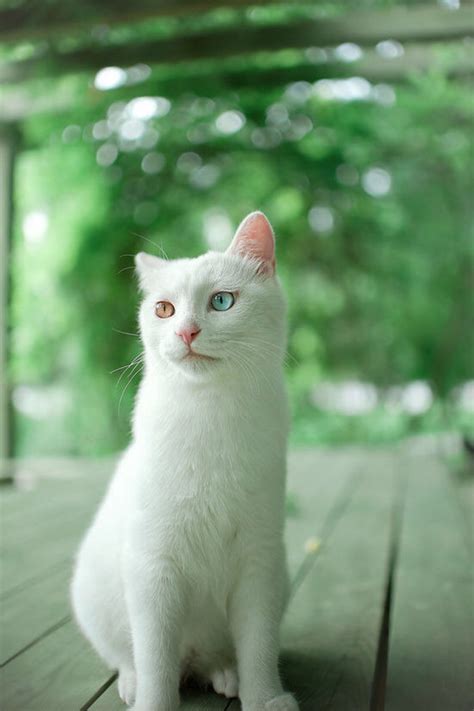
pixel 7 152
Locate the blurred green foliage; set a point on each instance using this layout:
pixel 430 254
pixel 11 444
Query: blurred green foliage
pixel 371 203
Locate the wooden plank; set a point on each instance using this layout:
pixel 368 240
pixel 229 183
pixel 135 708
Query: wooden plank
pixel 48 663
pixel 330 635
pixel 425 24
pixel 50 542
pixel 431 649
pixel 58 673
pixel 318 483
pixel 33 612
pixel 459 463
pixel 41 487
pixel 57 512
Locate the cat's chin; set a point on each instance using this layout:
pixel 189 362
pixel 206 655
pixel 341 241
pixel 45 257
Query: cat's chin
pixel 193 357
pixel 197 366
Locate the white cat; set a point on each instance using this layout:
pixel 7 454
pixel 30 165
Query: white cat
pixel 183 571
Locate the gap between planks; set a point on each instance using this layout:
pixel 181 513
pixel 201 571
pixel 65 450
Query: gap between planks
pixel 334 515
pixel 49 630
pixel 379 681
pixel 101 690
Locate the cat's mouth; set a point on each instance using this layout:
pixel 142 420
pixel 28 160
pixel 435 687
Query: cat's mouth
pixel 192 356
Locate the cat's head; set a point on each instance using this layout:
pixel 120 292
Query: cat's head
pixel 220 312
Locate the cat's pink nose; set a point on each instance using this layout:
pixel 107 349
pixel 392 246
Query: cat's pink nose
pixel 188 334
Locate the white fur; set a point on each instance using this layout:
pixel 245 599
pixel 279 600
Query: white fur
pixel 182 571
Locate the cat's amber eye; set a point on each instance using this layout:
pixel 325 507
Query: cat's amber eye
pixel 164 309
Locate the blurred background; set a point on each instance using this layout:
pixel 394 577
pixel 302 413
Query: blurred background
pixel 159 125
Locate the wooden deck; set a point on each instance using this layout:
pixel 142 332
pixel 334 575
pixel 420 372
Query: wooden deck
pixel 381 613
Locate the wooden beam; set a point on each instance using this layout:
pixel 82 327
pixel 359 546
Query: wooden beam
pixel 35 20
pixel 18 104
pixel 415 25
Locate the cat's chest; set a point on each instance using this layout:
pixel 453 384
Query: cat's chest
pixel 204 478
pixel 200 480
pixel 206 455
pixel 202 473
pixel 191 515
pixel 211 436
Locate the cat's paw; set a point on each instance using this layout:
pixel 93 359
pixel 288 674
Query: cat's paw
pixel 225 682
pixel 127 686
pixel 285 702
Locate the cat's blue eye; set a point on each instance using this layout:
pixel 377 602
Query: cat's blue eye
pixel 222 301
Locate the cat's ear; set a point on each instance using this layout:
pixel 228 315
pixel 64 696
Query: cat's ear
pixel 254 238
pixel 148 267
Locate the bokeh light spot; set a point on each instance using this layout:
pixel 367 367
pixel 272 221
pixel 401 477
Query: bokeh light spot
pixel 217 229
pixel 230 122
pixel 110 78
pixel 35 226
pixel 390 49
pixel 153 163
pixel 348 52
pixel 377 182
pixel 321 219
pixel 107 154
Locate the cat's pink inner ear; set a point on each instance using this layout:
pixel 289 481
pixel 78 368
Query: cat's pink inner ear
pixel 254 238
pixel 147 261
pixel 147 266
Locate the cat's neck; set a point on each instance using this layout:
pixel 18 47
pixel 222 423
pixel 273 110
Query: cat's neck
pixel 168 402
pixel 159 381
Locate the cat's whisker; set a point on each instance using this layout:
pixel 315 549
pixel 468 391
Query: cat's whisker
pixel 138 367
pixel 126 333
pixel 245 365
pixel 124 269
pixel 163 253
pixel 155 244
pixel 122 367
pixel 263 353
pixel 248 366
pixel 287 355
pixel 260 371
pixel 138 359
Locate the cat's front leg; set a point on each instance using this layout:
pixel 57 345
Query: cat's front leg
pixel 156 601
pixel 255 614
